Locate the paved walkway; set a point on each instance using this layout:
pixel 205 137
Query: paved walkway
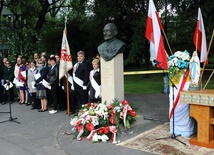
pixel 42 133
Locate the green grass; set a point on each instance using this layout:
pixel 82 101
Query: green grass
pixel 138 84
pixel 153 83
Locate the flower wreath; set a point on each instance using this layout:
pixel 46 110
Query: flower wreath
pixel 178 63
pixel 100 122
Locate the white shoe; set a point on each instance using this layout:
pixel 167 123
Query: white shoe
pixel 53 111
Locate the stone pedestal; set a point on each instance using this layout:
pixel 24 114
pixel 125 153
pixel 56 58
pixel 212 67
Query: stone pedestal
pixel 112 79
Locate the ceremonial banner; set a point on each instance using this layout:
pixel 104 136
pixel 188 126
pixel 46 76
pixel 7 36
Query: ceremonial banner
pixel 199 37
pixel 65 57
pixel 153 34
pixel 183 124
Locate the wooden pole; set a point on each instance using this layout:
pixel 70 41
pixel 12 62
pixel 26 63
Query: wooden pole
pixel 67 88
pixel 211 40
pixel 67 91
pixel 208 80
pixel 167 41
pixel 196 46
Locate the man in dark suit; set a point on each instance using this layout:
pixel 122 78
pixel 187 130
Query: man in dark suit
pixel 81 72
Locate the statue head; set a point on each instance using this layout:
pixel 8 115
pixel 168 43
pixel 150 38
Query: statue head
pixel 110 31
pixel 195 54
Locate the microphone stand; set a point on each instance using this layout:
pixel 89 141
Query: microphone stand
pixel 173 136
pixel 10 111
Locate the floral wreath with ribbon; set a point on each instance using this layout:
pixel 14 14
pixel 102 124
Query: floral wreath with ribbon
pixel 100 122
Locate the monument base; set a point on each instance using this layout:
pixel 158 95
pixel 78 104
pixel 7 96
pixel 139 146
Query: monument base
pixel 112 79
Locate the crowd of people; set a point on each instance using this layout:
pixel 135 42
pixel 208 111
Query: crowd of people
pixel 37 83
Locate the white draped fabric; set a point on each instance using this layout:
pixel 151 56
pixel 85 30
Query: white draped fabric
pixel 184 125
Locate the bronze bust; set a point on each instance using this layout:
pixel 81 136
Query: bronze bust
pixel 112 46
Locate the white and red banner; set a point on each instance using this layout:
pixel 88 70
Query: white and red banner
pixel 65 57
pixel 199 38
pixel 153 34
pixel 179 113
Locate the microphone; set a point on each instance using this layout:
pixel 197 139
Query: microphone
pixel 157 62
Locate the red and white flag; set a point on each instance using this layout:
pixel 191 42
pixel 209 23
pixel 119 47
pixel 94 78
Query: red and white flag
pixel 153 34
pixel 199 38
pixel 65 57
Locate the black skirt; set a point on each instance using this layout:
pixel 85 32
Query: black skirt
pixel 41 94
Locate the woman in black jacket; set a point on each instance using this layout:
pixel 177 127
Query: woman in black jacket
pixel 41 90
pixel 8 78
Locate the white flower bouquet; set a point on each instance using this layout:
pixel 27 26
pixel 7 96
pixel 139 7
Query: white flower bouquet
pixel 178 62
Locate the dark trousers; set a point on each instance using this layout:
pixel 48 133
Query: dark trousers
pixel 81 97
pixel 2 93
pixel 54 92
pixel 49 97
pixel 62 101
pixel 34 101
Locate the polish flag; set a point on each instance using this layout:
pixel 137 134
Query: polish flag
pixel 153 34
pixel 65 57
pixel 199 38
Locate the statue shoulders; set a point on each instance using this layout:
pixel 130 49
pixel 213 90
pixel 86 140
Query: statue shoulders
pixel 115 44
pixel 109 49
pixel 119 42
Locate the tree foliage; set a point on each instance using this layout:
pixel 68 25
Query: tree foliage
pixel 37 25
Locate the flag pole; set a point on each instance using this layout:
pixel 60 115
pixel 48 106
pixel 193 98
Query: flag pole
pixel 211 40
pixel 196 47
pixel 167 41
pixel 208 79
pixel 67 89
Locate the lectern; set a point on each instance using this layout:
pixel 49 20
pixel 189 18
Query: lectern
pixel 202 110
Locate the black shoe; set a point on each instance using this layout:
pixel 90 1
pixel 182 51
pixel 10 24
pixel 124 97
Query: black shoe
pixel 27 104
pixel 33 108
pixel 43 110
pixel 40 110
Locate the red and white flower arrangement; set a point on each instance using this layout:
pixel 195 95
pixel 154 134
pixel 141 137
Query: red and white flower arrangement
pixel 100 122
